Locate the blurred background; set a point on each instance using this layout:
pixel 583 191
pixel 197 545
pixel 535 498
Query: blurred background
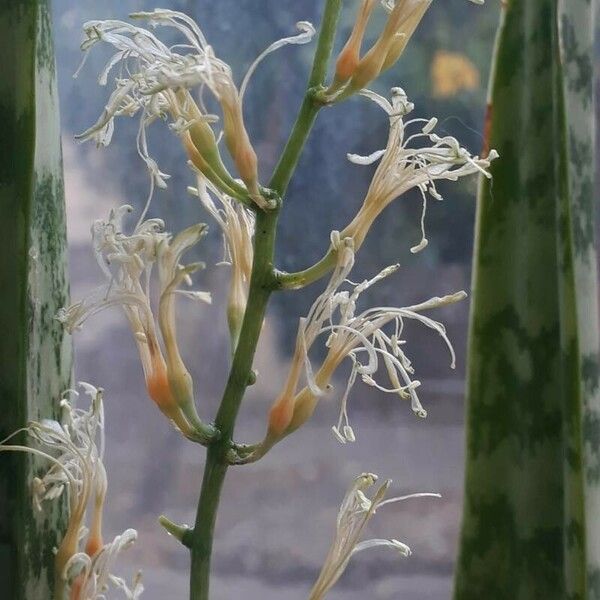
pixel 278 516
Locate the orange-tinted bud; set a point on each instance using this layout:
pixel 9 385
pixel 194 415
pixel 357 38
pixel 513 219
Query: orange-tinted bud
pixel 304 407
pixel 280 415
pixel 158 387
pixel 346 64
pixel 400 26
pixel 239 145
pixel 350 54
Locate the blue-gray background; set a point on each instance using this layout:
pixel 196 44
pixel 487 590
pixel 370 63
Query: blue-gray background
pixel 278 516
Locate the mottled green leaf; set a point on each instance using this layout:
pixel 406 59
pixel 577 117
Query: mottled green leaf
pixel 530 526
pixel 35 356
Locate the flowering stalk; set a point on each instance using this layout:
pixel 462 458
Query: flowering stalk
pixel 261 285
pixel 158 84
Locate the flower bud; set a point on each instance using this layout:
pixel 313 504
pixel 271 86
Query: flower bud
pixel 239 145
pixel 401 24
pixel 235 316
pixel 350 53
pixel 157 384
pixel 280 416
pixel 415 10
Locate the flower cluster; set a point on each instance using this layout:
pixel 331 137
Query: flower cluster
pixel 355 512
pixel 370 339
pixel 144 272
pixel 156 80
pixel 75 448
pixel 403 167
pixel 127 262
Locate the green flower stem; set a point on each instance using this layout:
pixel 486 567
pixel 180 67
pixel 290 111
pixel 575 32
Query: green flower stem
pixel 300 279
pixel 216 459
pixel 261 286
pixel 310 106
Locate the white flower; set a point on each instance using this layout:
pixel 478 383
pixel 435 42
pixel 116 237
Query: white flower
pixel 370 339
pixel 75 447
pixel 237 226
pixel 356 510
pixel 90 577
pixel 127 262
pixel 155 80
pixel 403 167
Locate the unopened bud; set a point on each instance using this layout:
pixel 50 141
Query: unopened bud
pixel 202 136
pixel 412 13
pixel 157 384
pixel 280 416
pixel 235 318
pixel 350 54
pixel 94 544
pixel 239 146
pixel 401 24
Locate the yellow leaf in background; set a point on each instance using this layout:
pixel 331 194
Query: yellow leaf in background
pixel 452 72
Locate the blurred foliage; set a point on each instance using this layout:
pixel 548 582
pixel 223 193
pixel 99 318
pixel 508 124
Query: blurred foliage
pixel 451 73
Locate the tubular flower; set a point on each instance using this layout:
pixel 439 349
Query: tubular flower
pixel 237 226
pixel 155 80
pixel 75 449
pixel 403 167
pixel 355 512
pixel 127 262
pixel 362 338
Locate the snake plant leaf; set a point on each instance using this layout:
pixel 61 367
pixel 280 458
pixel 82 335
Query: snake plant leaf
pixel 35 355
pixel 531 526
